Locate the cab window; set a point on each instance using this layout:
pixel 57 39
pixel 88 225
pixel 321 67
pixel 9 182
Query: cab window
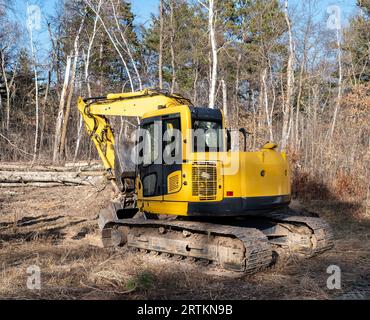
pixel 207 136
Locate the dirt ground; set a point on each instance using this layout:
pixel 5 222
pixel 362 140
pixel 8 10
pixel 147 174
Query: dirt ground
pixel 56 229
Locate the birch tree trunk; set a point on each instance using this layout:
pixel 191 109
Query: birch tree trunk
pixel 1 112
pixel 160 57
pixel 172 40
pixel 42 129
pixel 195 84
pixel 273 102
pixel 59 122
pixel 266 103
pixel 299 103
pixel 300 84
pixel 214 60
pixel 290 84
pixel 87 80
pixel 7 90
pixel 36 95
pixel 101 68
pixel 237 80
pixel 70 91
pixel 340 84
pixel 254 120
pixel 8 83
pixel 224 97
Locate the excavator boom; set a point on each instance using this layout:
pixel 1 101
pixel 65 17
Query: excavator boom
pixel 135 104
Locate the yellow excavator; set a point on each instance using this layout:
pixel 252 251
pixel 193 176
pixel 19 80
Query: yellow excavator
pixel 184 190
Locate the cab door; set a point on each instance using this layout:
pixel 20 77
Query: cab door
pixel 172 155
pixel 150 167
pixel 161 156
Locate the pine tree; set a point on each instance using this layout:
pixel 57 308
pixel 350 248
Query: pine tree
pixel 358 42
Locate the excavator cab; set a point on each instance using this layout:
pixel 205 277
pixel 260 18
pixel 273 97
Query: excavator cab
pixel 169 140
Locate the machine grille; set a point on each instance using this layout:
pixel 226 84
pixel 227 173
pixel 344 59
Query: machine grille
pixel 174 183
pixel 204 177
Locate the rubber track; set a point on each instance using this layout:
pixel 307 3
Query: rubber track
pixel 319 228
pixel 258 252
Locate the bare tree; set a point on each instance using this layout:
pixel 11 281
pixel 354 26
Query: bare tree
pixel 195 83
pixel 172 40
pixel 214 51
pixel 307 31
pixel 224 99
pixel 71 88
pixel 60 116
pixel 161 36
pixel 237 81
pixel 287 108
pixel 113 39
pixel 212 34
pixel 44 104
pixel 128 50
pixel 36 92
pixel 9 82
pixel 264 97
pixel 87 78
pixel 340 83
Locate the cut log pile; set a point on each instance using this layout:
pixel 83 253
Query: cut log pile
pixel 18 175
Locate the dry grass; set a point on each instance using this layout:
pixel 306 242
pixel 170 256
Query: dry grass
pixel 56 230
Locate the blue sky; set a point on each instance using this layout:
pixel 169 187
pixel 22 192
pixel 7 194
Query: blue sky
pixel 143 10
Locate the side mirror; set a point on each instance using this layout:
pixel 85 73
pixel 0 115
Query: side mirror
pixel 245 134
pixel 228 140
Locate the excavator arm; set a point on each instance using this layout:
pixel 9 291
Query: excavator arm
pixel 94 113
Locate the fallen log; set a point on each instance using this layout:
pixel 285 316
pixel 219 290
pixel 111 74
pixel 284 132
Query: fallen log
pixel 67 168
pixel 96 163
pixel 73 178
pixel 34 184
